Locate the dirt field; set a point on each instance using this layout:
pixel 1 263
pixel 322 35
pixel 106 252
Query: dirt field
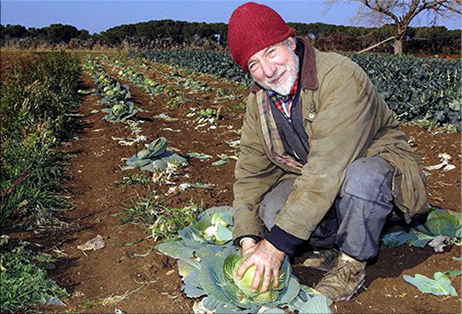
pixel 116 278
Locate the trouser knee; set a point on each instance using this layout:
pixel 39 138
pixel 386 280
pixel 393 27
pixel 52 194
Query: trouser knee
pixel 363 204
pixel 369 179
pixel 273 201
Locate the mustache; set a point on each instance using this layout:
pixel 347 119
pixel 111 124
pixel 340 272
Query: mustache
pixel 270 80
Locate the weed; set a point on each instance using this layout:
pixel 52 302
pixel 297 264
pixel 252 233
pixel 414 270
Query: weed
pixel 24 278
pixel 227 93
pixel 143 209
pixel 133 179
pixel 90 303
pixel 239 107
pixel 162 221
pixel 172 220
pixel 432 126
pixel 179 100
pixel 30 181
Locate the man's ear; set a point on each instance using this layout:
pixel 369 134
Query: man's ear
pixel 292 42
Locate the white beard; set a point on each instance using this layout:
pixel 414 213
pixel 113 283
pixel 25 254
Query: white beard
pixel 292 74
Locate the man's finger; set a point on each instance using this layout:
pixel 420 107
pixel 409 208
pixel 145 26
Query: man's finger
pixel 276 278
pixel 241 271
pixel 256 280
pixel 266 281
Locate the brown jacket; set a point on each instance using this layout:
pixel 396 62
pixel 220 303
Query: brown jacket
pixel 345 119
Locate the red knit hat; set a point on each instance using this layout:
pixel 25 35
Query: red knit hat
pixel 253 27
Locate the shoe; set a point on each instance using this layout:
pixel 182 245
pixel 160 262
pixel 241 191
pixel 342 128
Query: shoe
pixel 322 260
pixel 342 282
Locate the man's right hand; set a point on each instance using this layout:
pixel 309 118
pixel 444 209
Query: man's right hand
pixel 248 246
pixel 268 260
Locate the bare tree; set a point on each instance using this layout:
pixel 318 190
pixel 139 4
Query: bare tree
pixel 402 12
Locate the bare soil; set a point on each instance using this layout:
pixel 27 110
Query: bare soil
pixel 116 278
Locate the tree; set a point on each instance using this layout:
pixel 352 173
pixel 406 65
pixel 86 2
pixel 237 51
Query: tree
pixel 402 12
pixel 12 31
pixel 59 33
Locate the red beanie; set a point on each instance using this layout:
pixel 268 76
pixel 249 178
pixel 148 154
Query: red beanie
pixel 253 27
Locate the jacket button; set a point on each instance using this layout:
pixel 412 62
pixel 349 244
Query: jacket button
pixel 311 116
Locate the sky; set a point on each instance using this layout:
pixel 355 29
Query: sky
pixel 98 16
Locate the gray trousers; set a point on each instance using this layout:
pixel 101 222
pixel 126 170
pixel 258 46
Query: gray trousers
pixel 357 217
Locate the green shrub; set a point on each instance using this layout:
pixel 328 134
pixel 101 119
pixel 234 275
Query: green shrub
pixel 39 96
pixel 36 105
pixel 30 182
pixel 24 279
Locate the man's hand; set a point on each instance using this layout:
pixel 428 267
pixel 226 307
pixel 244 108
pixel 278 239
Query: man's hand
pixel 248 246
pixel 268 260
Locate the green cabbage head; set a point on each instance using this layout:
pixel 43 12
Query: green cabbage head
pixel 231 266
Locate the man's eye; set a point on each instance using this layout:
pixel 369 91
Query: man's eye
pixel 252 66
pixel 272 52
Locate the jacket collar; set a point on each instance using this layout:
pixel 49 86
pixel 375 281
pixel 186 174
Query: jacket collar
pixel 308 73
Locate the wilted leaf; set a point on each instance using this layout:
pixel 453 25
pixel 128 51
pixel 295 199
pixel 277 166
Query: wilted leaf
pixel 219 162
pixel 453 272
pixel 318 304
pixel 398 238
pixel 441 285
pixel 197 155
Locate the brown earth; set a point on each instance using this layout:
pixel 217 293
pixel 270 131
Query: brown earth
pixel 116 277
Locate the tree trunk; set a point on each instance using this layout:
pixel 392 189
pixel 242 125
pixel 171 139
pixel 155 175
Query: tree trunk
pixel 398 46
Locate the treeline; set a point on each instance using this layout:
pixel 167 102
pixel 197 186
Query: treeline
pixel 169 34
pixel 55 33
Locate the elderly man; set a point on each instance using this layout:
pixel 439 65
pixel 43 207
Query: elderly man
pixel 322 157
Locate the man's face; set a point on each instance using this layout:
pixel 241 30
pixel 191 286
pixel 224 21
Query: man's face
pixel 275 67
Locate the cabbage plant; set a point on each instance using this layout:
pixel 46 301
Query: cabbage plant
pixel 155 158
pixel 211 233
pixel 442 227
pixel 120 111
pixel 245 295
pixel 209 270
pixel 213 275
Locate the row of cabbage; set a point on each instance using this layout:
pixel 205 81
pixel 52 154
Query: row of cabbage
pixel 415 88
pixel 120 108
pixel 116 97
pixel 38 103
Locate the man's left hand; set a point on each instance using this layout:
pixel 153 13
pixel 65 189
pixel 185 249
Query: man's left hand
pixel 268 260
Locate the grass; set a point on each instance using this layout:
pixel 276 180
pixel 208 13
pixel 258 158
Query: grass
pixel 88 304
pixel 238 107
pixel 24 278
pixel 432 126
pixel 179 100
pixel 37 103
pixel 31 181
pixel 133 179
pixel 163 222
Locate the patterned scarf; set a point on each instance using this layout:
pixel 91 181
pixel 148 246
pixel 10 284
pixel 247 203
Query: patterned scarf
pixel 271 133
pixel 284 103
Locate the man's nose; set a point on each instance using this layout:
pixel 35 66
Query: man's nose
pixel 268 68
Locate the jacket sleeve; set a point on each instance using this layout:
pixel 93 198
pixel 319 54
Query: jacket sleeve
pixel 255 175
pixel 347 104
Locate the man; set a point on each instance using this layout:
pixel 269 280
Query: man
pixel 322 157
